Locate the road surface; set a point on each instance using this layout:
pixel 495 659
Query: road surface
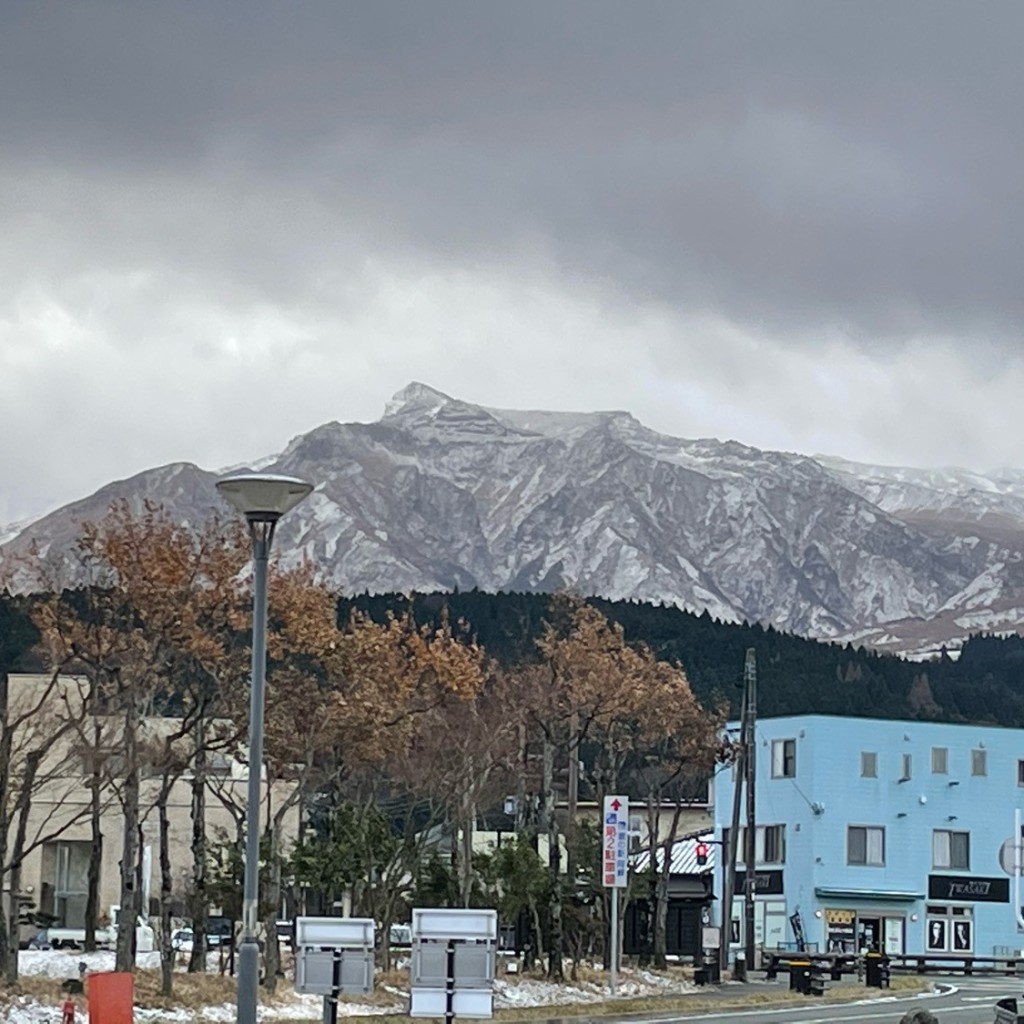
pixel 967 1001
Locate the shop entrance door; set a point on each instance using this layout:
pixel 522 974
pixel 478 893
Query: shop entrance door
pixel 893 928
pixel 869 933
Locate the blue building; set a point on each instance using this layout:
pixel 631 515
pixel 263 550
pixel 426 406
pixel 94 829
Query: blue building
pixel 883 834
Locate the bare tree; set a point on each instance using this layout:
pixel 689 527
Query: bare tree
pixel 35 724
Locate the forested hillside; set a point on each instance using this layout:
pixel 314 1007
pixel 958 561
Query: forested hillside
pixel 795 676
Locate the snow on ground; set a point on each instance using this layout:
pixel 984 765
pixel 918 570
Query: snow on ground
pixel 510 990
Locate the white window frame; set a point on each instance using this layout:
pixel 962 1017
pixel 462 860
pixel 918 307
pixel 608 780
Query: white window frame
pixel 954 932
pixel 868 764
pixel 944 843
pixel 784 759
pixel 940 760
pixel 761 844
pixel 874 845
pixel 979 762
pixel 772 839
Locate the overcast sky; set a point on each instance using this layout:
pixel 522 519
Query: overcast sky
pixel 795 224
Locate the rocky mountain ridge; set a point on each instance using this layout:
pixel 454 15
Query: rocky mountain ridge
pixel 440 494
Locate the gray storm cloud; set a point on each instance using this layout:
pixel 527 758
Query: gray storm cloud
pixel 795 223
pixel 788 163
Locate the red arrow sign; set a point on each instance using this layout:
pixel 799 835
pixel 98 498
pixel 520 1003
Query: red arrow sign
pixel 616 805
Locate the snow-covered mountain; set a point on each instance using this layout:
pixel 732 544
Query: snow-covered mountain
pixel 440 493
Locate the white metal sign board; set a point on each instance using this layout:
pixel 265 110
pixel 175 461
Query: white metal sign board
pixel 615 841
pixel 336 932
pixel 445 923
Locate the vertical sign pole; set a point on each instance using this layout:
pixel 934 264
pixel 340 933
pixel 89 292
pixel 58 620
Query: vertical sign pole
pixel 449 991
pixel 1017 869
pixel 613 973
pixel 335 986
pixel 614 869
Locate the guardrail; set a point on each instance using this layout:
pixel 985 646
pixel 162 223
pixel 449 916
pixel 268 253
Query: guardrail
pixel 835 964
pixel 953 963
pixel 838 964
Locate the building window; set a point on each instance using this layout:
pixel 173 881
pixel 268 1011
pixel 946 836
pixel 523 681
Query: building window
pixel 1020 773
pixel 979 762
pixel 905 773
pixel 940 760
pixel 783 759
pixel 769 844
pixel 868 764
pixel 774 844
pixel 951 849
pixel 64 878
pixel 948 929
pixel 865 844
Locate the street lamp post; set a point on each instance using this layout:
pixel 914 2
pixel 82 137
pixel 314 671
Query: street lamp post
pixel 262 499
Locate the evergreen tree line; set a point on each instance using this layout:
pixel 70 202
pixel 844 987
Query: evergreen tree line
pixel 984 684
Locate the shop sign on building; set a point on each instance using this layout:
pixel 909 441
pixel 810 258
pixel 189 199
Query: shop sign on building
pixel 766 883
pixel 968 889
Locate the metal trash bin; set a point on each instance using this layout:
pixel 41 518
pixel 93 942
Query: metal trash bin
pixel 706 970
pixel 876 970
pixel 739 967
pixel 800 976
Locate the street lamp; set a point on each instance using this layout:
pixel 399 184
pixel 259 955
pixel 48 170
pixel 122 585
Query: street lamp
pixel 262 498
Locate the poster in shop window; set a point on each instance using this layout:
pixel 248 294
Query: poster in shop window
pixel 961 936
pixel 840 935
pixel 936 941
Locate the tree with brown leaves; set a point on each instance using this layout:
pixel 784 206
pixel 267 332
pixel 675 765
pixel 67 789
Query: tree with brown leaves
pixel 157 630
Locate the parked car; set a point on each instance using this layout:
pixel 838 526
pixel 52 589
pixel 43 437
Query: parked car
pixel 182 940
pixel 220 931
pixel 286 933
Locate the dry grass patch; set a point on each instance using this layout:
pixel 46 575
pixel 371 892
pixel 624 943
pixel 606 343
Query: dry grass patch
pixel 191 991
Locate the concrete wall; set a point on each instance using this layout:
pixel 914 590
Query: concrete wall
pixel 59 818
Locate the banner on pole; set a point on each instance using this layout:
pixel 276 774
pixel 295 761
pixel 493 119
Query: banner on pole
pixel 615 842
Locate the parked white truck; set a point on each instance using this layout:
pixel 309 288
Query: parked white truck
pixel 106 936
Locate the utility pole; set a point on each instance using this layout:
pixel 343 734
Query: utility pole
pixel 750 771
pixel 729 853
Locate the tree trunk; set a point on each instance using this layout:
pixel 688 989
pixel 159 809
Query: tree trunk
pixel 124 957
pixel 466 856
pixel 661 916
pixel 271 948
pixel 538 933
pixel 199 901
pixel 555 972
pixel 13 924
pixel 92 896
pixel 166 952
pixel 572 800
pixel 7 951
pixel 28 781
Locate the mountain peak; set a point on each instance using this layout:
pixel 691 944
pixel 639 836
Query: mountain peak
pixel 417 398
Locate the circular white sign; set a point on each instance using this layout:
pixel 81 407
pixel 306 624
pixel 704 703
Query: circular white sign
pixel 1006 857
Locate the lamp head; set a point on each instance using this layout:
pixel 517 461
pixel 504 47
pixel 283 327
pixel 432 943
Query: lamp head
pixel 263 497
